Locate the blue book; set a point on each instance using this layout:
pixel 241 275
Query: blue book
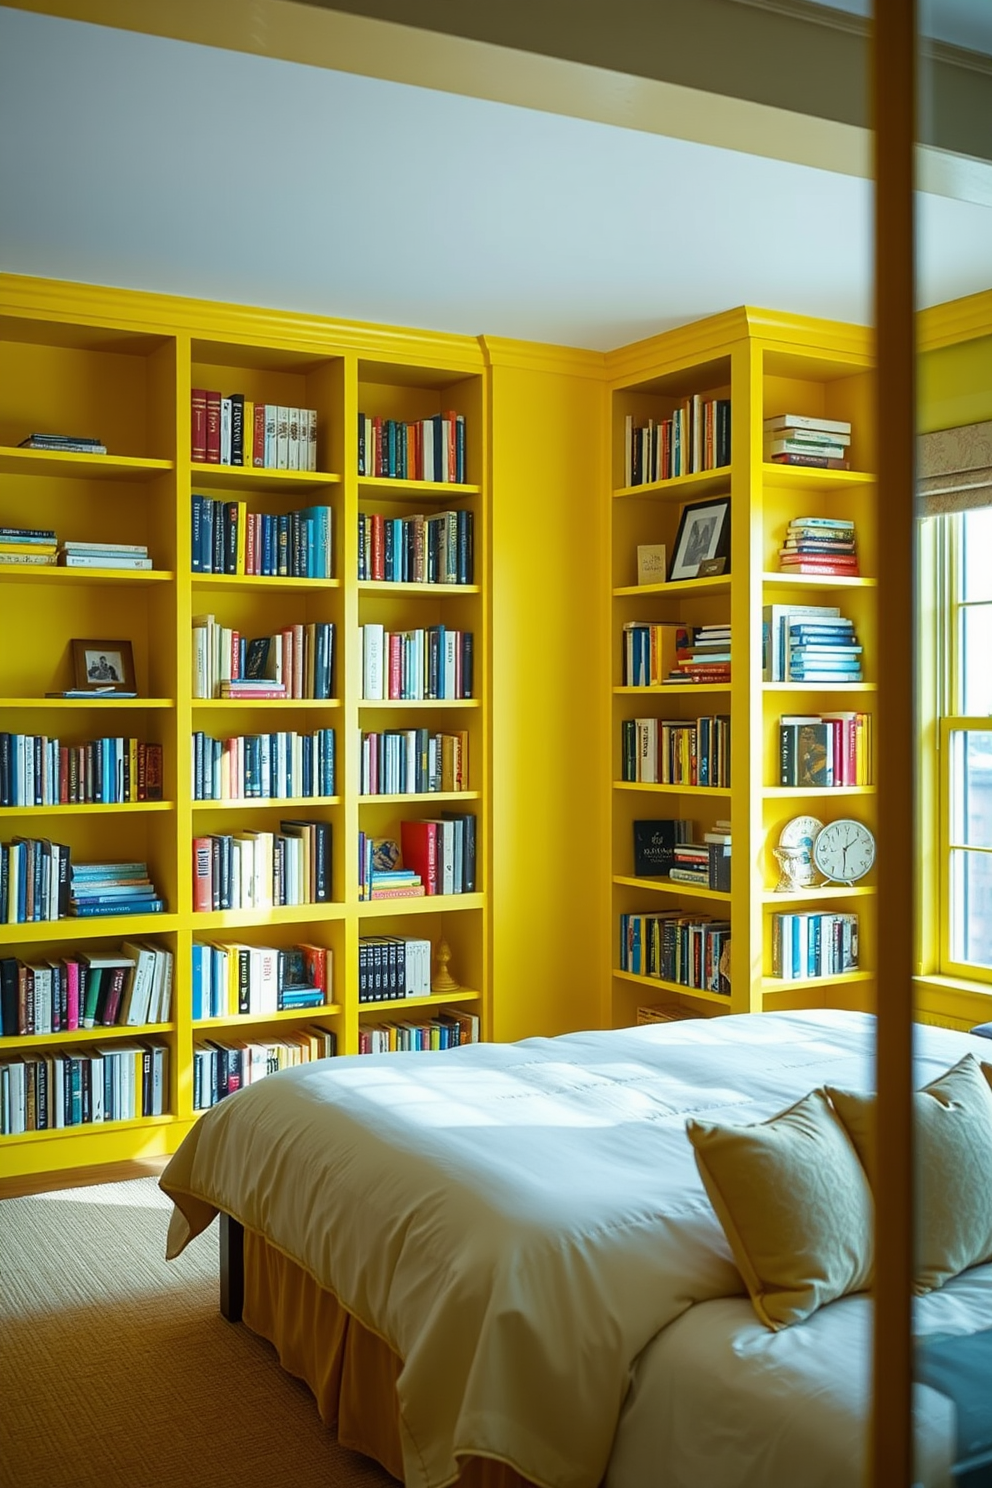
pixel 196 534
pixel 118 906
pixel 197 993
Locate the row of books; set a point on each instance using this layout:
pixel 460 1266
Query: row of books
pixel 62 1088
pixel 417 550
pixel 799 642
pixel 675 751
pixel 221 1068
pixel 825 749
pixel 431 449
pixel 431 661
pixel 60 444
pixel 695 438
pixel 433 856
pixel 666 847
pixel 820 545
pixel 263 767
pixel 129 987
pixel 413 762
pixel 298 662
pixel 34 880
pixel 810 944
pixel 391 967
pixel 662 651
pixel 449 1030
pixel 234 430
pixel 705 864
pixel 234 980
pixel 690 950
pixel 800 439
pixel 39 546
pixel 39 771
pixel 226 538
pixel 97 889
pixel 263 870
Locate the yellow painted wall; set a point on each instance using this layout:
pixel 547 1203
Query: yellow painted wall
pixel 549 682
pixel 955 385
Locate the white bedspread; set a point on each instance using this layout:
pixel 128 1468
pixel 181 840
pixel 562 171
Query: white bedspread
pixel 517 1221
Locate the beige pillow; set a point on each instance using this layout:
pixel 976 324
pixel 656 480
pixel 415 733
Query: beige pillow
pixel 794 1204
pixel 953 1124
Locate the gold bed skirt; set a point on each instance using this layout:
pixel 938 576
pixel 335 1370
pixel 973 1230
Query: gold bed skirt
pixel 351 1371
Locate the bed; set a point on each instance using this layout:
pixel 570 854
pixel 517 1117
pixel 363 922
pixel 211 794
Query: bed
pixel 498 1265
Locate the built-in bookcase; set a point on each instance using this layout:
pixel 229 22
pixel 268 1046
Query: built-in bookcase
pixel 122 367
pixel 766 365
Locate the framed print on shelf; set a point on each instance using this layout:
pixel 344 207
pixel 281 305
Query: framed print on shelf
pixel 101 665
pixel 704 532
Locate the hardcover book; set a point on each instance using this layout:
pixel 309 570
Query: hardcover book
pixel 655 843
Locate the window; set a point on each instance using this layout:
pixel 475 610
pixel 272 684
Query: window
pixel 964 673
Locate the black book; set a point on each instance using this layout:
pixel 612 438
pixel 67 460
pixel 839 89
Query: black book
pixel 8 997
pixel 217 557
pixel 654 845
pixel 207 517
pixel 244 981
pixel 719 866
pixel 257 658
pixel 6 795
pixel 230 537
pixel 238 429
pixel 468 848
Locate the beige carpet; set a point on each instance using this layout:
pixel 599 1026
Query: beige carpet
pixel 117 1370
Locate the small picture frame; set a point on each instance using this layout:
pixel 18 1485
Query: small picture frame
pixel 711 568
pixel 101 665
pixel 704 532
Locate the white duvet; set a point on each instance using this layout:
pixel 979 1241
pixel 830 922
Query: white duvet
pixel 520 1221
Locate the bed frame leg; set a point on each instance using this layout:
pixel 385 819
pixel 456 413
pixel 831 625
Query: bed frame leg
pixel 232 1268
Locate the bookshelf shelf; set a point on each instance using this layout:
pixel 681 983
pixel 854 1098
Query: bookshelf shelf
pixel 81 467
pixel 252 1020
pixel 416 591
pixel 667 886
pixel 667 394
pixel 429 904
pixel 412 490
pixel 253 583
pixel 122 578
pixel 680 487
pixel 778 986
pixel 717 791
pixel 267 803
pixel 124 366
pixel 249 478
pixel 436 999
pixel 656 985
pixel 99 1035
pixel 682 589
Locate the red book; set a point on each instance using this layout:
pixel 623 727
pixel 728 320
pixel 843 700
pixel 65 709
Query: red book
pixel 72 994
pixel 153 772
pixel 198 425
pixel 116 977
pixel 63 776
pixel 251 543
pixel 840 571
pixel 258 436
pixel 378 568
pixel 213 428
pixel 395 689
pixel 203 894
pixel 418 841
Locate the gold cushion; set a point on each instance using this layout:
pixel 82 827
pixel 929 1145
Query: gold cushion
pixel 794 1204
pixel 953 1133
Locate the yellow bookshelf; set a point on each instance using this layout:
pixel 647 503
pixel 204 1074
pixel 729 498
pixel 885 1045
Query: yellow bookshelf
pixel 121 366
pixel 766 364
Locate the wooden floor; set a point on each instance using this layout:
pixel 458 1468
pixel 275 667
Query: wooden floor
pixel 117 1172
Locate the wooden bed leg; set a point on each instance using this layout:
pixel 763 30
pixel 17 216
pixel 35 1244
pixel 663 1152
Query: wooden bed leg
pixel 232 1268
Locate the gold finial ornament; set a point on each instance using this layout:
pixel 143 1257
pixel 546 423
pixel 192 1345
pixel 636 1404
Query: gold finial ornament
pixel 442 980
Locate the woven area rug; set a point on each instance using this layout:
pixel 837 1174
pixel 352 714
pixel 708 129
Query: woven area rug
pixel 117 1369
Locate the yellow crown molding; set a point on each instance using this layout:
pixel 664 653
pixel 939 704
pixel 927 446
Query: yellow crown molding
pixel 956 320
pixel 139 310
pixel 713 336
pixel 537 356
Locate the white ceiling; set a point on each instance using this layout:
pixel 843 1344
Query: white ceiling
pixel 154 164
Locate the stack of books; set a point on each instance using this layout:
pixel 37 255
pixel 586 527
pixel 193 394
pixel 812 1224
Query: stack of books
pixel 797 439
pixel 391 967
pixel 104 555
pixel 39 771
pixel 439 549
pixel 448 1030
pixel 695 438
pixel 822 650
pixel 430 662
pixel 296 663
pixel 820 545
pixel 63 1087
pixel 261 870
pixel 36 546
pixel 402 762
pixel 34 880
pixel 706 863
pixel 61 444
pixel 125 988
pixel 702 654
pixel 672 946
pixel 233 430
pixel 262 767
pixel 221 1069
pixel 676 751
pixel 112 889
pixel 226 538
pixel 811 944
pixel 441 852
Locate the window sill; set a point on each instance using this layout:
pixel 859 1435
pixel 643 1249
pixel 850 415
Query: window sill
pixel 955 1001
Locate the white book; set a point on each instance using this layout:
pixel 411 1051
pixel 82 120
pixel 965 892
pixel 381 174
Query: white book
pixel 225 431
pixel 271 423
pixel 450 662
pixel 282 437
pixel 373 671
pixel 791 437
pixel 97 1111
pixel 293 439
pixel 268 980
pixel 647 738
pixel 103 560
pixel 427 429
pixel 805 421
pixel 137 993
pixel 137 550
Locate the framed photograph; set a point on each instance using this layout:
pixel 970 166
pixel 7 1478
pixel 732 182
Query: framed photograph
pixel 704 532
pixel 98 665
